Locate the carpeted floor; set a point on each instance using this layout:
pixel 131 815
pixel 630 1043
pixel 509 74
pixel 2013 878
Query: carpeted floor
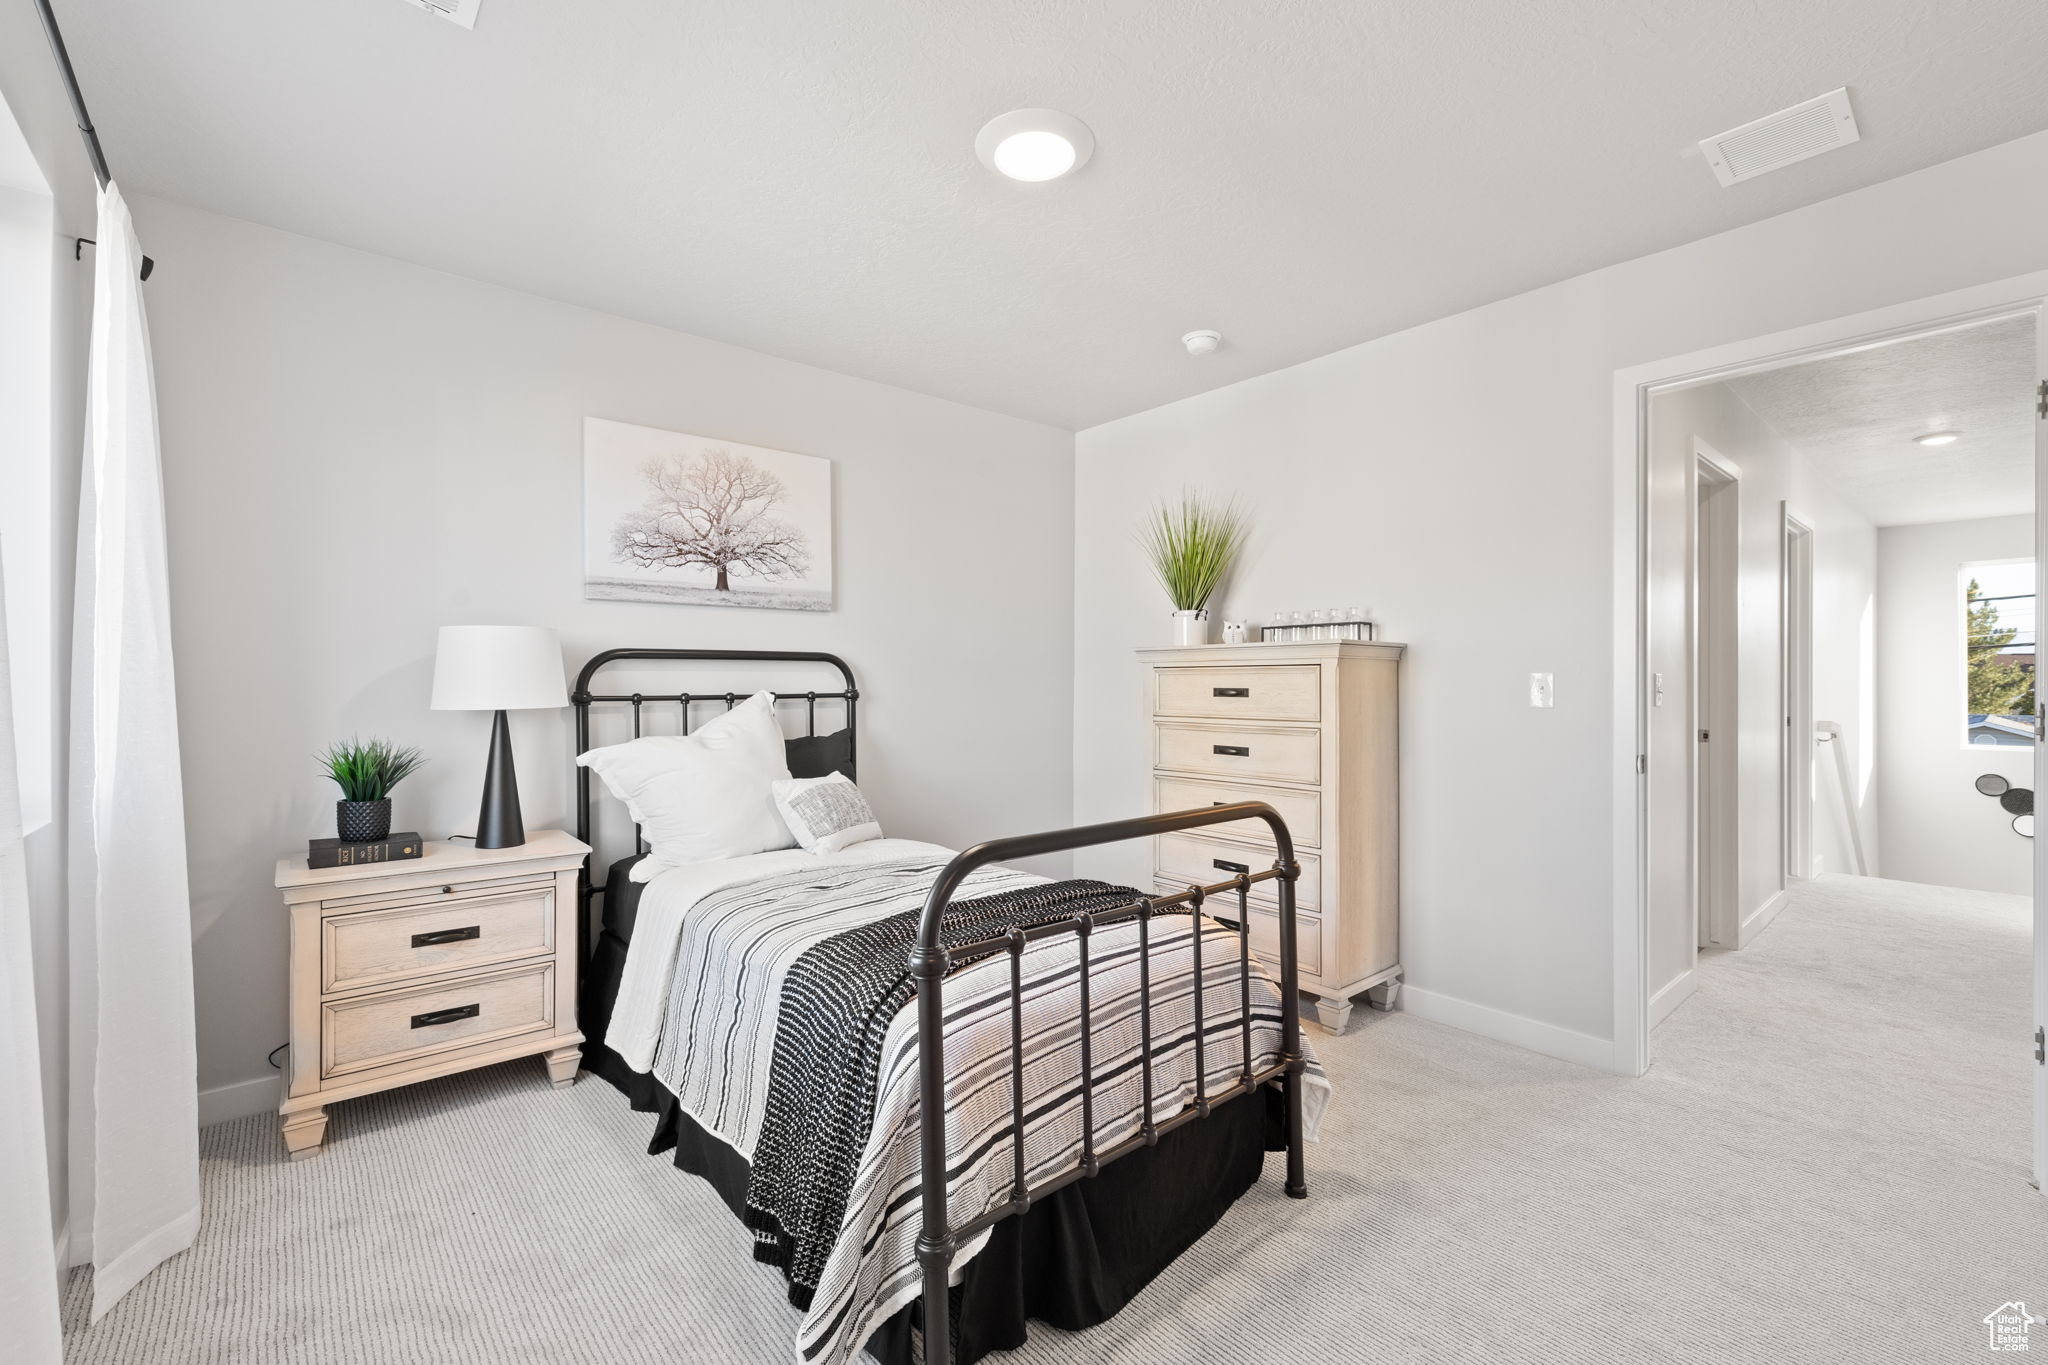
pixel 1826 1162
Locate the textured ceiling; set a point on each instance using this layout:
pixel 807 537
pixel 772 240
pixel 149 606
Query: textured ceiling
pixel 799 177
pixel 1855 417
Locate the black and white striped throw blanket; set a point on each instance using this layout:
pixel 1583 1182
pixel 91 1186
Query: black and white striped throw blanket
pixel 837 1003
pixel 728 1009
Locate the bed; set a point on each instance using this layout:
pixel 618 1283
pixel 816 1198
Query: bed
pixel 1069 1162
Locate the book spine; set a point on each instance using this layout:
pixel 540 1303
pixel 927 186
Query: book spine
pixel 335 853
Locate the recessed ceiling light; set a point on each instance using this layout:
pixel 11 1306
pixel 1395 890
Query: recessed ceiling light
pixel 1939 438
pixel 1034 144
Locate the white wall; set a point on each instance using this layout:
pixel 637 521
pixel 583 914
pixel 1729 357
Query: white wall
pixel 1460 478
pixel 358 451
pixel 1844 543
pixel 1937 827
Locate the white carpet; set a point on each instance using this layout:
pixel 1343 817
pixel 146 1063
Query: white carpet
pixel 1826 1162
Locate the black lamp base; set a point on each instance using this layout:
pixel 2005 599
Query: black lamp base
pixel 498 824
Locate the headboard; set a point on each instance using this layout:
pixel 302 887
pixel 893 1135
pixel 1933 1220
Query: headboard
pixel 810 754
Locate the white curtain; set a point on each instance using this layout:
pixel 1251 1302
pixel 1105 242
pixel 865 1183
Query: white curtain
pixel 28 1264
pixel 134 1066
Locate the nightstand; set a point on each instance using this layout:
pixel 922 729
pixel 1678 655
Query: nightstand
pixel 401 972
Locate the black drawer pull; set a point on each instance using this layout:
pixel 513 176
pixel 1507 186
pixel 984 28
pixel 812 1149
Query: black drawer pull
pixel 446 1016
pixel 1232 750
pixel 447 936
pixel 1230 691
pixel 1225 865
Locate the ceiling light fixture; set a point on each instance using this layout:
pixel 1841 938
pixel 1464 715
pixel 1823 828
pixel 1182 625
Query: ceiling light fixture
pixel 1939 438
pixel 1034 144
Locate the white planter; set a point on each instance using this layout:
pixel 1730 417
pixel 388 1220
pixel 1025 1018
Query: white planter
pixel 1191 627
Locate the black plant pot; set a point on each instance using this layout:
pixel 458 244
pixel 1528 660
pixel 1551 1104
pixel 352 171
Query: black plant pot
pixel 362 822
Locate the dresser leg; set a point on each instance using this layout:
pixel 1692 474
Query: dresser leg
pixel 1384 995
pixel 1334 1012
pixel 562 1064
pixel 303 1133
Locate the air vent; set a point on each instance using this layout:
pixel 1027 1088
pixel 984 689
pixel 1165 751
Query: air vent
pixel 461 12
pixel 1819 125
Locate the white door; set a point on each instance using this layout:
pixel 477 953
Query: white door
pixel 1795 608
pixel 2040 774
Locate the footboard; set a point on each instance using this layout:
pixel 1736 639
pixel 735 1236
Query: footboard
pixel 939 1239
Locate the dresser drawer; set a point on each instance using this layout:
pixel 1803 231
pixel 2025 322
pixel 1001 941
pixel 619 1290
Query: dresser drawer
pixel 1185 858
pixel 1272 692
pixel 1302 810
pixel 449 933
pixel 362 1032
pixel 1308 936
pixel 1224 751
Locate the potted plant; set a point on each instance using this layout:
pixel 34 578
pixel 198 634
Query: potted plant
pixel 1192 544
pixel 366 772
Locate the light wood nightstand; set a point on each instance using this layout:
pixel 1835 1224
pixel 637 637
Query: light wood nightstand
pixel 401 972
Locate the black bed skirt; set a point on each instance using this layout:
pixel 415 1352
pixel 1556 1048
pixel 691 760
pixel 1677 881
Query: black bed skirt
pixel 1073 1260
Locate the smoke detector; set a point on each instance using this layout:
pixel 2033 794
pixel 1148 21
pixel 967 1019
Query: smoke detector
pixel 1202 343
pixel 1819 125
pixel 461 12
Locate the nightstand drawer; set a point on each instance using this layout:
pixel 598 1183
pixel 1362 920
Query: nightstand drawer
pixel 1222 751
pixel 400 1026
pixel 1290 692
pixel 1185 858
pixel 450 933
pixel 1308 935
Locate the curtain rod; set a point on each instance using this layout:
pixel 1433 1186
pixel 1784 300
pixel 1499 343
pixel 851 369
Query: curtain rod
pixel 79 115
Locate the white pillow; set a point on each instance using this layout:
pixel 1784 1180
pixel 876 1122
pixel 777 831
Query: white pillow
pixel 706 795
pixel 826 813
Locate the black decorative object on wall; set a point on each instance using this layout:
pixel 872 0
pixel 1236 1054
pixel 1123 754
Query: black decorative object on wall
pixel 2018 802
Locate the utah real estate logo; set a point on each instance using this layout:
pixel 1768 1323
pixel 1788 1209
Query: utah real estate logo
pixel 2007 1325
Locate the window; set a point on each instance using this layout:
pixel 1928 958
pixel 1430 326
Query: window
pixel 27 511
pixel 1998 652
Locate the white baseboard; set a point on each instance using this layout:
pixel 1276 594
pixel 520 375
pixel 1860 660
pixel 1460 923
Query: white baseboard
pixel 1549 1039
pixel 1760 918
pixel 239 1099
pixel 1672 994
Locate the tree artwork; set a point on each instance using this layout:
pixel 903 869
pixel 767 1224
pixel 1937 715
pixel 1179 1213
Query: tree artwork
pixel 1999 685
pixel 711 511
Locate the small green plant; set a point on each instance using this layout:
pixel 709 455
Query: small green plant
pixel 1191 544
pixel 368 770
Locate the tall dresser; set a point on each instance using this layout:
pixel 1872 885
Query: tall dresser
pixel 1313 730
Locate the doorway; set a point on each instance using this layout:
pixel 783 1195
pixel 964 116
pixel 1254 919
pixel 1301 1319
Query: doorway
pixel 1788 834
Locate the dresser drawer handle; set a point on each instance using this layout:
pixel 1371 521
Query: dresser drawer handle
pixel 447 890
pixel 1232 750
pixel 446 1016
pixel 447 936
pixel 1230 691
pixel 1225 865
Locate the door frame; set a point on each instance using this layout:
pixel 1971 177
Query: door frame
pixel 1630 673
pixel 1713 648
pixel 1795 675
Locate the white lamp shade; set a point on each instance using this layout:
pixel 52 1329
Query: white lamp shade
pixel 498 668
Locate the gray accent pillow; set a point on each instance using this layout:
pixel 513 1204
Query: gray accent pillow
pixel 827 813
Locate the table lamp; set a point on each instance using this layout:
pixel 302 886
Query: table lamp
pixel 499 668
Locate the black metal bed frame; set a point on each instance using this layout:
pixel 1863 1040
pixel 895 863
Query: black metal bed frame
pixel 939 1239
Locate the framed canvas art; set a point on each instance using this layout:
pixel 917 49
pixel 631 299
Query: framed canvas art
pixel 686 519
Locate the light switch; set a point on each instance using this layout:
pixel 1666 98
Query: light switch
pixel 1541 693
